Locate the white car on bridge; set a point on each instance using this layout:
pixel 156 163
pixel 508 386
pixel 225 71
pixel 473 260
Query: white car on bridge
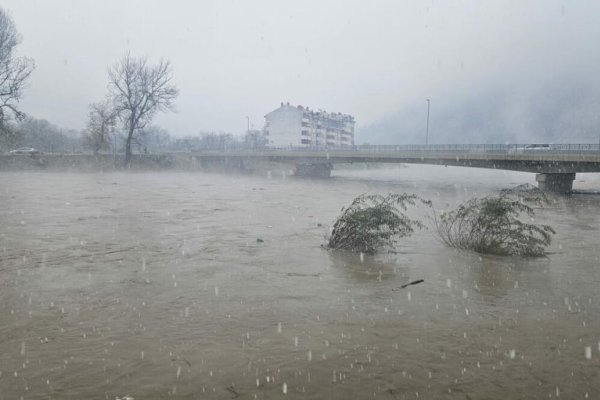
pixel 25 150
pixel 533 148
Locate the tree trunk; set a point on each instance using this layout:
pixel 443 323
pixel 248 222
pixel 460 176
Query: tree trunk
pixel 128 142
pixel 128 149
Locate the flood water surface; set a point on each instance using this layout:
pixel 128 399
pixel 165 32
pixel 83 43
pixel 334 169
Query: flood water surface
pixel 194 285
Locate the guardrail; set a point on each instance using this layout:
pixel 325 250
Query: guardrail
pixel 428 149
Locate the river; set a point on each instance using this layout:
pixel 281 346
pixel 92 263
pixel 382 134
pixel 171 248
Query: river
pixel 203 285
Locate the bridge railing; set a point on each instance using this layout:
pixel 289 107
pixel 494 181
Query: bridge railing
pixel 499 149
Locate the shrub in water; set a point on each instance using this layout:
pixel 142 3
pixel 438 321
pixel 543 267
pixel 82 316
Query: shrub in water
pixel 491 225
pixel 373 221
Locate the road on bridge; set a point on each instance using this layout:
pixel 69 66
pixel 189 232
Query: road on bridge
pixel 555 165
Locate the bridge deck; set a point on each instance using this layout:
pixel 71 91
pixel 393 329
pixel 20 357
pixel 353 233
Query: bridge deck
pixel 560 159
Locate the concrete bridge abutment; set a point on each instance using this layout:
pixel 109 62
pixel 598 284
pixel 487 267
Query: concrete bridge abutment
pixel 556 182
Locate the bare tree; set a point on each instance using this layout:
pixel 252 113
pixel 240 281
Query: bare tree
pixel 139 91
pixel 101 124
pixel 43 135
pixel 14 71
pixel 255 139
pixel 152 138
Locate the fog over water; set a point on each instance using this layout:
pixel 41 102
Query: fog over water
pixel 154 285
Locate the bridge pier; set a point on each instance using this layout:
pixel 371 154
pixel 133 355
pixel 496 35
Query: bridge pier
pixel 314 170
pixel 558 183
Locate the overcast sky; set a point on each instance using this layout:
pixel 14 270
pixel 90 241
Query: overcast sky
pixel 233 59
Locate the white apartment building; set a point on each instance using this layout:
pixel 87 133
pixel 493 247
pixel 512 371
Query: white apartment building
pixel 299 126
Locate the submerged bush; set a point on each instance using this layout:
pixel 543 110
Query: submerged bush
pixel 374 221
pixel 491 225
pixel 528 193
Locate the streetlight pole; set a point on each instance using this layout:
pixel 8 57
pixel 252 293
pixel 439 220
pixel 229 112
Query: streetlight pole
pixel 248 119
pixel 427 131
pixel 598 132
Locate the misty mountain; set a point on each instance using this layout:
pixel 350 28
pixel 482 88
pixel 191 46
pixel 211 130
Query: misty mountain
pixel 565 110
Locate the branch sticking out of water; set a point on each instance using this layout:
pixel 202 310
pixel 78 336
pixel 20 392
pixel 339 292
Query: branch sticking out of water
pixel 409 284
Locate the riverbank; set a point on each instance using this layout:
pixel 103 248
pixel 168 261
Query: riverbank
pixel 156 162
pixel 93 163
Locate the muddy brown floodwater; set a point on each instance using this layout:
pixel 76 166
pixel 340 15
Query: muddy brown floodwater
pixel 154 285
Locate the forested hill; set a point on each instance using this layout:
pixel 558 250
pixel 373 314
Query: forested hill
pixel 561 111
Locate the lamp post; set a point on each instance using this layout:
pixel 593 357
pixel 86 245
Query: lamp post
pixel 598 132
pixel 248 120
pixel 427 131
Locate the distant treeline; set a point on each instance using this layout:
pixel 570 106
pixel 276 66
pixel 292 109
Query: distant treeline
pixel 47 137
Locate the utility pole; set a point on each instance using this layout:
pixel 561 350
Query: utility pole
pixel 248 119
pixel 427 131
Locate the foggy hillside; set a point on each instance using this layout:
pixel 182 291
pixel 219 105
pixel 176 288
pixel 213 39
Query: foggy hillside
pixel 562 110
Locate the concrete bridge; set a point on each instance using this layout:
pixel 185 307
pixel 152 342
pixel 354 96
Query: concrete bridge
pixel 555 166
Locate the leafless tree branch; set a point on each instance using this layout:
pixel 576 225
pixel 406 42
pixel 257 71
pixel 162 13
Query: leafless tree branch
pixel 138 91
pixel 101 124
pixel 14 72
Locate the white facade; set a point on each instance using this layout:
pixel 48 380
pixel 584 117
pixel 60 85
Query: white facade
pixel 299 126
